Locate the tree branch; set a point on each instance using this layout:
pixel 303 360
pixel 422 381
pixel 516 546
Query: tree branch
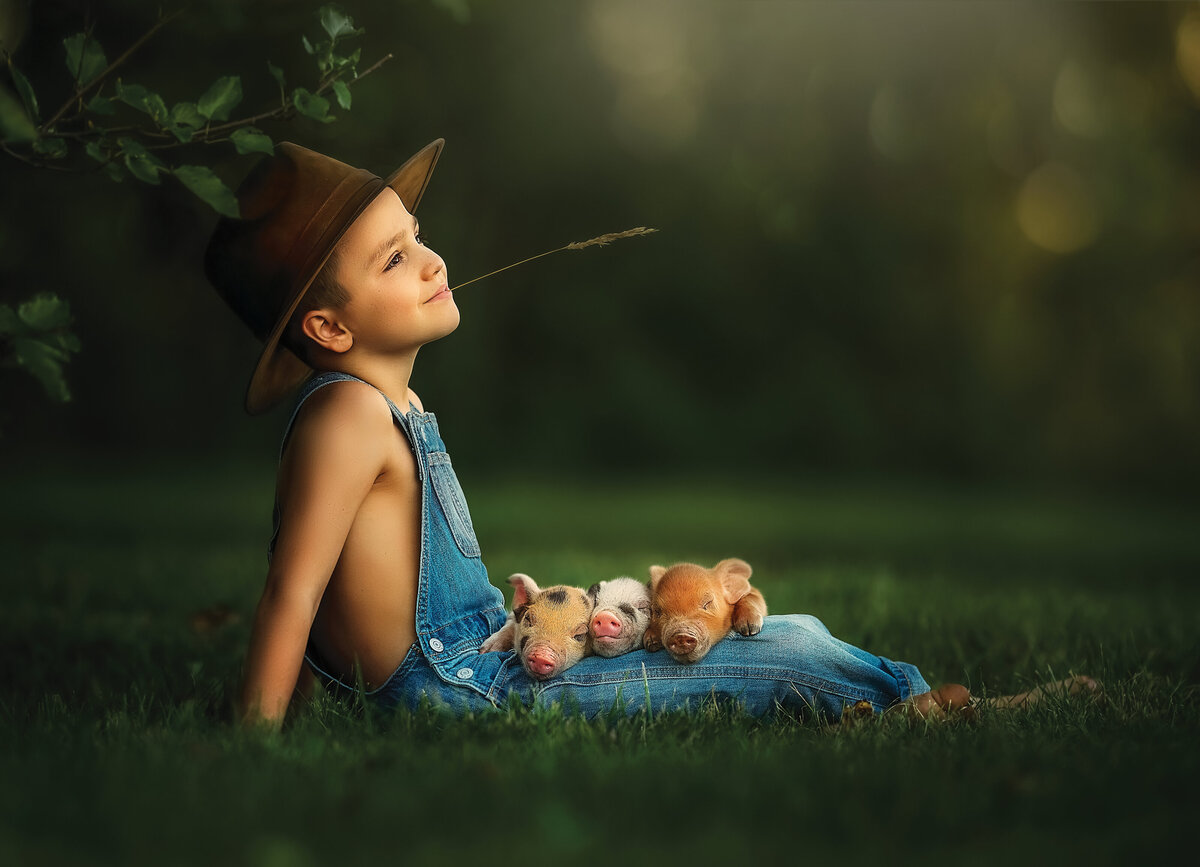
pixel 31 162
pixel 82 89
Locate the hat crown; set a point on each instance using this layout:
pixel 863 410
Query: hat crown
pixel 290 203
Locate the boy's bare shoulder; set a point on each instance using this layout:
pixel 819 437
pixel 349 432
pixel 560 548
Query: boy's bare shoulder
pixel 342 419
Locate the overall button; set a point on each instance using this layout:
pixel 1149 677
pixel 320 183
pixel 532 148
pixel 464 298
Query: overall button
pixel 464 673
pixel 436 646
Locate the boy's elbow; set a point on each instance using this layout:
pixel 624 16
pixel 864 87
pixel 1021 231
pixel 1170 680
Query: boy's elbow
pixel 297 597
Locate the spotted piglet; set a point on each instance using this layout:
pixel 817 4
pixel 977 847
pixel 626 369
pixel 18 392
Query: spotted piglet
pixel 547 628
pixel 620 615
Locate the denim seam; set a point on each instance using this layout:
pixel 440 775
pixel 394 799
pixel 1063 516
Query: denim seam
pixel 710 673
pixel 452 501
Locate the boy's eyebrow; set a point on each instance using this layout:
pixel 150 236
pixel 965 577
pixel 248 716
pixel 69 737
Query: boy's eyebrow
pixel 382 249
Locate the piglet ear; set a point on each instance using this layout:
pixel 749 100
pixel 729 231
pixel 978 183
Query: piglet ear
pixel 735 578
pixel 656 573
pixel 524 588
pixel 734 565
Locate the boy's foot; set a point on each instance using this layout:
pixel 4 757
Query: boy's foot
pixel 948 699
pixel 1079 684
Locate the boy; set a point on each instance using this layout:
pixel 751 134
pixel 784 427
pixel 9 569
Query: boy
pixel 375 570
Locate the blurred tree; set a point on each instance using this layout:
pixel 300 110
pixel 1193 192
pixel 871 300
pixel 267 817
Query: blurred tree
pixel 94 125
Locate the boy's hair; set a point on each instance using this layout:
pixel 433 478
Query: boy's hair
pixel 325 291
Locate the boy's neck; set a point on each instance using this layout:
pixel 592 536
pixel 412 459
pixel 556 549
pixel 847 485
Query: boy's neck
pixel 390 375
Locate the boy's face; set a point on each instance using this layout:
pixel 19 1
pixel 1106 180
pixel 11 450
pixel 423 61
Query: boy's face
pixel 399 293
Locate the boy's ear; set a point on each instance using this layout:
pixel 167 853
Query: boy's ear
pixel 324 329
pixel 656 573
pixel 524 588
pixel 735 578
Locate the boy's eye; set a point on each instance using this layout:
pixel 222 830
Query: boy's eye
pixel 422 238
pixel 396 259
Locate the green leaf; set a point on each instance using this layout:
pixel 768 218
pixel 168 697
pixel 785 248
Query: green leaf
pixel 131 146
pixel 45 362
pixel 202 181
pixel 336 22
pixel 343 94
pixel 114 172
pixel 85 57
pixel 342 62
pixel 142 164
pixel 187 114
pixel 45 312
pixel 15 125
pixel 143 168
pixel 311 105
pixel 102 105
pixel 25 89
pixel 132 94
pixel 93 150
pixel 185 120
pixel 144 100
pixel 308 46
pixel 220 99
pixel 248 140
pixel 157 109
pixel 277 73
pixel 54 148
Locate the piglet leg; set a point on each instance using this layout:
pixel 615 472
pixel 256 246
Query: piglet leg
pixel 501 639
pixel 652 640
pixel 748 613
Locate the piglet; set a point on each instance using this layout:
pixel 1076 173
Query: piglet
pixel 692 608
pixel 548 628
pixel 620 615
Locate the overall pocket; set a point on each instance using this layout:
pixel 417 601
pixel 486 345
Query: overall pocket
pixel 454 504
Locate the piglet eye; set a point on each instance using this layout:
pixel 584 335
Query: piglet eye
pixel 528 619
pixel 707 603
pixel 580 634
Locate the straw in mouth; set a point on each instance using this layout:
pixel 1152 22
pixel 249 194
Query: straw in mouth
pixel 598 241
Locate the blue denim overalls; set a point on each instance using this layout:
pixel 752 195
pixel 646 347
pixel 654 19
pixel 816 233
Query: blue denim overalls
pixel 794 662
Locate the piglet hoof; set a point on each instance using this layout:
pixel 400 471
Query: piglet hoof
pixel 651 643
pixel 497 642
pixel 750 626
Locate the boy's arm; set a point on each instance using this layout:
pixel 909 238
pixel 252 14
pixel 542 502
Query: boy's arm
pixel 336 452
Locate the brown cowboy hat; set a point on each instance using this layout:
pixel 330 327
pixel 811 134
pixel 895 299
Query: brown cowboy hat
pixel 295 206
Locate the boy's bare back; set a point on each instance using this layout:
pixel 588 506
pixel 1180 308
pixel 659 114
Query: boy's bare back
pixel 349 474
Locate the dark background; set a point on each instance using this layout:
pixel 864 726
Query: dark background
pixel 935 240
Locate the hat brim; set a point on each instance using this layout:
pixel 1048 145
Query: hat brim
pixel 279 370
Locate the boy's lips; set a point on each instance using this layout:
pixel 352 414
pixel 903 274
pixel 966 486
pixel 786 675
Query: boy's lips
pixel 444 292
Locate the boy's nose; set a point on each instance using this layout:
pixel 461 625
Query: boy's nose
pixel 433 265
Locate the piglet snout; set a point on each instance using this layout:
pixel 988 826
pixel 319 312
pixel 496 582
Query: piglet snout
pixel 681 644
pixel 540 662
pixel 606 625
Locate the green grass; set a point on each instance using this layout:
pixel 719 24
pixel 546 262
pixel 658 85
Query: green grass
pixel 114 710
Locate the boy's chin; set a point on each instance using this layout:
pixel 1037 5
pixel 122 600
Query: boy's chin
pixel 450 326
